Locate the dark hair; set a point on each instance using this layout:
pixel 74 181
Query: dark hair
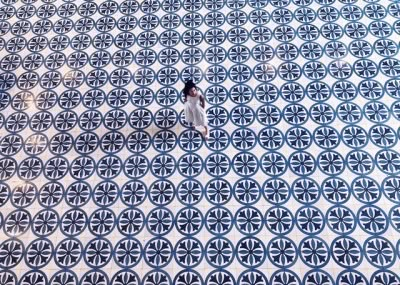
pixel 188 85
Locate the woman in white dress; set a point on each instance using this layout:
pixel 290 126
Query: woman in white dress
pixel 195 113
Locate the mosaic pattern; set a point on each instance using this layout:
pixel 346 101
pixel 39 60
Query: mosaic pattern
pixel 102 182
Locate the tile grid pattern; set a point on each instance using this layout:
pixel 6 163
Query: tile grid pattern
pixel 101 182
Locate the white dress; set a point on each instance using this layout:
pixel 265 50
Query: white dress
pixel 194 113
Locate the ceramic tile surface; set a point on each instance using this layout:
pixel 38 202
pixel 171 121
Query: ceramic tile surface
pixel 102 181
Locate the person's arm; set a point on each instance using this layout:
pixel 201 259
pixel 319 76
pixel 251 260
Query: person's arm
pixel 202 102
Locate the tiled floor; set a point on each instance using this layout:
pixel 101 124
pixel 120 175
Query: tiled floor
pixel 102 183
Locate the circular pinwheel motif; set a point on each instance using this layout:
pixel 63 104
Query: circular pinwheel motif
pixel 302 105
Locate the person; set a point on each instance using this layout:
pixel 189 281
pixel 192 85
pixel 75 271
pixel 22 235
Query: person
pixel 195 113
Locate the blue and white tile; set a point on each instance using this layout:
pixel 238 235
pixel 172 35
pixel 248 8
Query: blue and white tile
pixel 102 183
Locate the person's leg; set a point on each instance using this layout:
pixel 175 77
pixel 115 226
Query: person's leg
pixel 205 132
pixel 189 117
pixel 204 123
